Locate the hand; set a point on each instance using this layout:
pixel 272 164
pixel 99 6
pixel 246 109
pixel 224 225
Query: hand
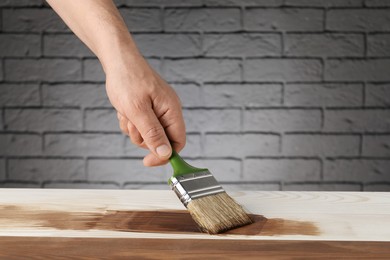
pixel 148 109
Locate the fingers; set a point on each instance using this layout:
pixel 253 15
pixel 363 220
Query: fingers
pixel 152 132
pixel 122 123
pixel 129 129
pixel 135 136
pixel 151 160
pixel 174 126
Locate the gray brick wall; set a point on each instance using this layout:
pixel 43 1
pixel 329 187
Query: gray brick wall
pixel 277 95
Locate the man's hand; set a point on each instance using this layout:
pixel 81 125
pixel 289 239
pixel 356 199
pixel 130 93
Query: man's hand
pixel 148 110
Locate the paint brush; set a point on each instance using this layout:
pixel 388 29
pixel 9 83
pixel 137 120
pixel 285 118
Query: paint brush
pixel 209 205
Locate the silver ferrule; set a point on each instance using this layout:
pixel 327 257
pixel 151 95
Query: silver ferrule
pixel 195 185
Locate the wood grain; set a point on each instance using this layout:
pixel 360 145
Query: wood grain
pixel 132 248
pixel 153 224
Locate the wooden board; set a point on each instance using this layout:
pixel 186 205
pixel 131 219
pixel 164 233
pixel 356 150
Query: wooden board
pixel 127 223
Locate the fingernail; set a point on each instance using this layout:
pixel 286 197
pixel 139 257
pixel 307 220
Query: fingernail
pixel 163 150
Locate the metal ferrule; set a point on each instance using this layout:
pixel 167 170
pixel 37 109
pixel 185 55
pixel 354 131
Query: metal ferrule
pixel 195 185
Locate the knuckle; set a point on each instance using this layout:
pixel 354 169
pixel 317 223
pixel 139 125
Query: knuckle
pixel 154 133
pixel 137 140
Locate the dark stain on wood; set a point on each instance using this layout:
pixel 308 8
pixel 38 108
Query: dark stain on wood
pixel 163 221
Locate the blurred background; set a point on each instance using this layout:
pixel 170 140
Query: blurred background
pixel 277 95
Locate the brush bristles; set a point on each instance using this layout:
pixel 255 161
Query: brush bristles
pixel 217 213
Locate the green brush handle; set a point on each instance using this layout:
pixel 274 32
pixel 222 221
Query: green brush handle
pixel 180 167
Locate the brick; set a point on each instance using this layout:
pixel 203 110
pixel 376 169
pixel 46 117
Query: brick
pixel 358 20
pixel 146 186
pixel 65 45
pixel 17 3
pixel 20 144
pixel 41 120
pixel 241 145
pixel 378 45
pixel 81 95
pixel 377 3
pixel 357 169
pixel 80 185
pixel 32 20
pixel 19 94
pixel 286 19
pixel 322 187
pixel 357 69
pixel 158 3
pixel 377 187
pixel 212 120
pixel 281 170
pixel 242 95
pixel 324 95
pixel 320 145
pixel 155 64
pixel 252 187
pixel 193 146
pixel 348 120
pixel 17 45
pixel 142 19
pixel 378 95
pixel 121 171
pixel 19 184
pixel 205 19
pixel 93 70
pixel 2 169
pixel 84 144
pixel 242 45
pixel 376 145
pixel 131 3
pixel 243 2
pixel 222 169
pixel 189 94
pixel 43 69
pixel 46 169
pixel 201 70
pixel 280 120
pixel 282 70
pixel 337 45
pixel 321 3
pixel 101 120
pixel 131 149
pixel 168 45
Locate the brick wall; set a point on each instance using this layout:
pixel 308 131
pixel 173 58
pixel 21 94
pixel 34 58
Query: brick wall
pixel 277 95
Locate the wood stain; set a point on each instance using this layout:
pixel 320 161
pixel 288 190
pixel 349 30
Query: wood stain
pixel 163 221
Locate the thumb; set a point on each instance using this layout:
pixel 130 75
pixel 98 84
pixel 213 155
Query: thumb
pixel 152 132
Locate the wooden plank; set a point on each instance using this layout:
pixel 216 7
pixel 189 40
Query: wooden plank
pixel 130 248
pixel 130 222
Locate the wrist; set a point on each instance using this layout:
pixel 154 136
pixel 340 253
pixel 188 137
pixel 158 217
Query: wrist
pixel 121 54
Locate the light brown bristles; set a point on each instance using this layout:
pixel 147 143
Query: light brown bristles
pixel 217 213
